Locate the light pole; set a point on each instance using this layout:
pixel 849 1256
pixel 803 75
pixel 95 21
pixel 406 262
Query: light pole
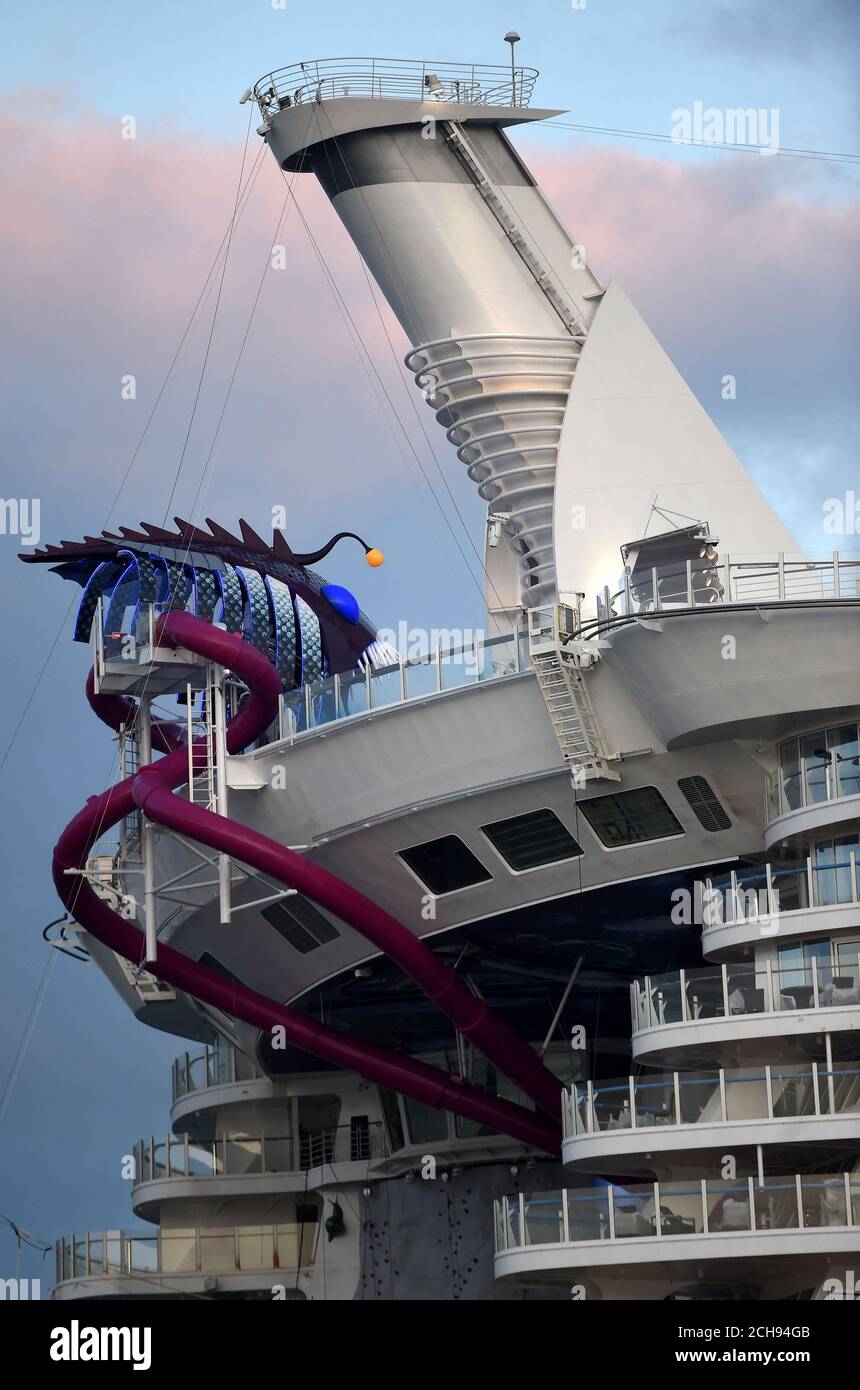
pixel 513 38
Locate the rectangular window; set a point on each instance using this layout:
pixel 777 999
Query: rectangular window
pixel 445 865
pixel 527 842
pixel 300 923
pixel 629 818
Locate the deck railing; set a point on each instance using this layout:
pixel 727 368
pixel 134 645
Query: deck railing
pixel 736 991
pixel 244 1155
pixel 711 1097
pixel 683 1208
pixel 216 1065
pixel 403 79
pixel 766 892
pixel 209 1250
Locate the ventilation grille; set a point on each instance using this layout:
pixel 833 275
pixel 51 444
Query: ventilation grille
pixel 704 802
pixel 299 923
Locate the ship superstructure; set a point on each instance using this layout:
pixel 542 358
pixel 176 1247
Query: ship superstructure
pixel 439 920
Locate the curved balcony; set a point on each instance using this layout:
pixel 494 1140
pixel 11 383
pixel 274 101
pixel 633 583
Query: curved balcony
pixel 217 1075
pixel 809 896
pixel 215 1259
pixel 398 79
pixel 635 1123
pixel 816 783
pixel 242 1165
pixel 799 1223
pixel 762 1009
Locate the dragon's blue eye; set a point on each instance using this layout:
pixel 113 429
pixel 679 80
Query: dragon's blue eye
pixel 342 601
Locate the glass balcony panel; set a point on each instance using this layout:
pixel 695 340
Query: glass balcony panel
pixel 854 1195
pixel 791 885
pixel 612 1105
pixel 178 1251
pixel 385 687
pixel 844 747
pixel 775 1204
pixel 176 1154
pixel 66 1260
pixel 578 1111
pixel 294 720
pixel 322 702
pixel 114 1252
pixel 204 1160
pixel 353 693
pixel 681 1209
pixel 142 1254
pixel 543 1219
pixel 704 989
pixel 840 985
pixel 823 1200
pixel 500 657
pixel 816 768
pixel 279 1156
pixel 242 1154
pixel 512 1220
pixel 588 1213
pixel 635 1210
pixel 217 1251
pixel 700 1097
pixel 295 1246
pixel 256 1247
pixel 220 1064
pixel 728 1202
pixel 80 1259
pixel 747 990
pixel 665 999
pixel 654 1097
pixel 159 1159
pixel 790 772
pixel 421 678
pixel 197 1077
pixel 96 1255
pixel 793 1092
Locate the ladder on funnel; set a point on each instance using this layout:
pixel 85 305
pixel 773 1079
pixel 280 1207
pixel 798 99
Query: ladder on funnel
pixel 558 671
pixel 529 254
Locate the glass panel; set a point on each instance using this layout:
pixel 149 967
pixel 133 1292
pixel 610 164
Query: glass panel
pixel 612 1105
pixel 544 1220
pixel 728 1204
pixel 288 1248
pixel 80 1258
pixel 294 711
pixel 176 1155
pixel 142 1254
pixel 279 1155
pixel 322 697
pixel 512 1221
pixel 665 999
pixel 197 1077
pixel 202 1160
pixel 256 1247
pixel 385 687
pixel 841 985
pixel 588 1214
pixel 701 1101
pixel 793 988
pixel 655 1101
pixel 823 1199
pixel 789 762
pixel 159 1159
pixel 747 990
pixel 421 678
pixel 242 1155
pixel 353 693
pixel 426 1125
pixel 178 1251
pixel 681 1209
pixel 854 1191
pixel 114 1251
pixel 846 753
pixel 775 1204
pixel 217 1251
pixel 816 768
pixel 793 1092
pixel 791 885
pixel 96 1255
pixel 500 657
pixel 704 993
pixel 67 1260
pixel 635 1210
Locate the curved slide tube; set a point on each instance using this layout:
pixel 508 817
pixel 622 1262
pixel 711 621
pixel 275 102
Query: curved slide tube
pixel 150 790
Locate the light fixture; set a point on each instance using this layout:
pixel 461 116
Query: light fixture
pixel 513 38
pixel 434 86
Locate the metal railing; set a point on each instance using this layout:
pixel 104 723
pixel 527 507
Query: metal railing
pixel 766 579
pixel 210 1250
pixel 411 678
pixel 244 1155
pixel 814 768
pixel 710 1097
pixel 682 1208
pixel 404 79
pixel 734 991
pixel 767 892
pixel 217 1065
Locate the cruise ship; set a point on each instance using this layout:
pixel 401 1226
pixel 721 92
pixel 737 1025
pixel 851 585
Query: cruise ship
pixel 516 965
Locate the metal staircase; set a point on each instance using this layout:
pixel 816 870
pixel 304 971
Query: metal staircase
pixel 558 670
pixel 527 251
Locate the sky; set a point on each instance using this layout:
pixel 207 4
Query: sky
pixel 742 264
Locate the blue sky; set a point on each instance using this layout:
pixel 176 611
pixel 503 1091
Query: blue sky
pixel 740 264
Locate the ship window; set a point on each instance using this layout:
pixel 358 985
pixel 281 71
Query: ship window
pixel 212 963
pixel 444 865
pixel 703 799
pixel 628 818
pixel 527 842
pixel 299 923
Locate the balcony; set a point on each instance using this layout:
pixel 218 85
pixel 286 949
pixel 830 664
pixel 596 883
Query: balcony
pixel 243 1165
pixel 674 1228
pixel 711 1006
pixel 629 1125
pixel 815 770
pixel 392 79
pixel 124 1264
pixel 811 895
pixel 219 1074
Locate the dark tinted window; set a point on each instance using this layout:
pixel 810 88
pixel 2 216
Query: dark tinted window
pixel 445 865
pixel 299 923
pixel 703 800
pixel 525 842
pixel 628 818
